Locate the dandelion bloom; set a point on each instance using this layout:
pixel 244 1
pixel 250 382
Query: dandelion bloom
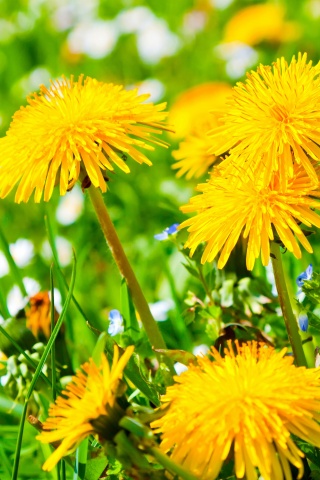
pixel 244 405
pixel 193 159
pixel 273 120
pixel 87 402
pixel 193 107
pixel 75 126
pixel 262 22
pixel 39 314
pixel 224 211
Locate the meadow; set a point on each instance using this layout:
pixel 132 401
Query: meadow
pixel 159 239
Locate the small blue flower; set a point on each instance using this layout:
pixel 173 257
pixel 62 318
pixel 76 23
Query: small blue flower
pixel 303 322
pixel 116 323
pixel 167 231
pixel 306 275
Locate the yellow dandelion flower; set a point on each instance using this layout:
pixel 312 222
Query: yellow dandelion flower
pixel 87 405
pixel 247 405
pixel 39 315
pixel 273 120
pixel 76 125
pixel 224 211
pixel 262 22
pixel 193 159
pixel 193 107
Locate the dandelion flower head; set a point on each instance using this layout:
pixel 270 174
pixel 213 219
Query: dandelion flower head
pixel 72 126
pixel 261 22
pixel 194 106
pixel 245 405
pixel 89 397
pixel 225 211
pixel 273 120
pixel 192 157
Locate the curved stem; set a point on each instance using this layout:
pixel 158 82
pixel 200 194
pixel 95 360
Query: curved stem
pixel 141 304
pixel 170 465
pixel 288 315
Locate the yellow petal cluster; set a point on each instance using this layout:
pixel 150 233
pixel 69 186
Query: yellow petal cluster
pixel 192 108
pixel 244 406
pixel 91 394
pixel 273 120
pixel 261 22
pixel 193 159
pixel 74 126
pixel 230 206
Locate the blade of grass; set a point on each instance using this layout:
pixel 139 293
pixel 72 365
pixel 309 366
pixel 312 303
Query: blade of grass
pixel 53 350
pixel 81 460
pixel 128 312
pixel 39 369
pixel 12 265
pixel 56 262
pixel 3 306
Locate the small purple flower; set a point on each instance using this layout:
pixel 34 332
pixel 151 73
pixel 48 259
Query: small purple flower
pixel 167 231
pixel 306 275
pixel 116 323
pixel 303 322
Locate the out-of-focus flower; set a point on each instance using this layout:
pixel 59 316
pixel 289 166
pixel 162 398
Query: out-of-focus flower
pixel 116 323
pixel 172 230
pixel 303 321
pixel 88 406
pixel 39 314
pixel 64 249
pixel 263 22
pixel 272 121
pixel 225 211
pixel 153 87
pixel 22 252
pixel 193 159
pixel 201 350
pixel 96 39
pixel 306 275
pixel 4 265
pixel 134 20
pixel 238 56
pixel 246 405
pixel 180 368
pixel 16 301
pixel 194 21
pixel 72 126
pixel 193 107
pixel 70 206
pixel 161 308
pixel 156 41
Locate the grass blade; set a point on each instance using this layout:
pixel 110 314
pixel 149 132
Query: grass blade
pixel 13 267
pixel 39 369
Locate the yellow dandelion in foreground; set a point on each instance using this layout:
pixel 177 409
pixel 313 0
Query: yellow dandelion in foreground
pixel 261 22
pixel 224 211
pixel 75 126
pixel 273 120
pixel 244 405
pixel 86 406
pixel 193 159
pixel 193 107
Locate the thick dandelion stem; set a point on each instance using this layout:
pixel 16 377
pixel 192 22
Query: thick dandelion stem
pixel 170 465
pixel 285 304
pixel 138 298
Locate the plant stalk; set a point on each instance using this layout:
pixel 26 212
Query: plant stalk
pixel 285 304
pixel 138 298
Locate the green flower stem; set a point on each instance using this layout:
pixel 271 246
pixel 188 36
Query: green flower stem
pixel 170 465
pixel 288 315
pixel 141 304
